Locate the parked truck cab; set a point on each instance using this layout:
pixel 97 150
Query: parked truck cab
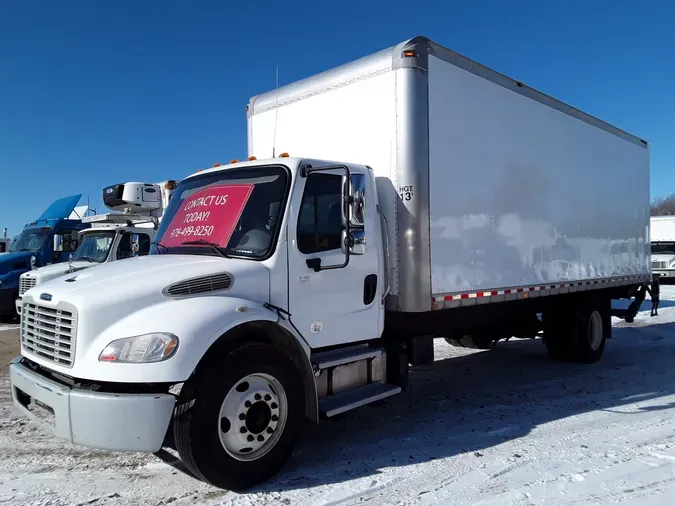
pixel 113 236
pixel 50 239
pixel 662 233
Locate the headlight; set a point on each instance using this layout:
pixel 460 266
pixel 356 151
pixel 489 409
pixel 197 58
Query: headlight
pixel 672 264
pixel 154 347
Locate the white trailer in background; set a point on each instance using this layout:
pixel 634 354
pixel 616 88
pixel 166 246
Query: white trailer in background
pixel 112 236
pixel 429 197
pixel 662 237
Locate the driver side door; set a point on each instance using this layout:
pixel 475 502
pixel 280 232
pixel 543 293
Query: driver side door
pixel 331 306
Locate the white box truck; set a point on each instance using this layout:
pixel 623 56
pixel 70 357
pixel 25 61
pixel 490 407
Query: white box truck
pixel 437 198
pixel 662 235
pixel 113 236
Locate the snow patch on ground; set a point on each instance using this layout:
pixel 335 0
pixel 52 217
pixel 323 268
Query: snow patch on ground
pixel 498 427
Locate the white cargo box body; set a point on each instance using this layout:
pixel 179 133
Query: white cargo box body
pixel 662 229
pixel 489 187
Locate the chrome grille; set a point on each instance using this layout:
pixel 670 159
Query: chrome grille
pixel 203 284
pixel 25 284
pixel 659 265
pixel 49 333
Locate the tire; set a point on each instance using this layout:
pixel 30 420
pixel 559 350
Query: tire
pixel 577 335
pixel 591 335
pixel 250 385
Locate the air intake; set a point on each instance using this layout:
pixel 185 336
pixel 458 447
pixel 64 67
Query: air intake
pixel 204 284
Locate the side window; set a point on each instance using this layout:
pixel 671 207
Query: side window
pixel 69 238
pixel 124 247
pixel 320 220
pixel 143 244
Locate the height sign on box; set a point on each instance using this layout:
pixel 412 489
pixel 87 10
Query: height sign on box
pixel 209 214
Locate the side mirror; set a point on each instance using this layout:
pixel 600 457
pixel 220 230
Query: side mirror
pixel 135 245
pixel 357 208
pixel 58 243
pixel 356 242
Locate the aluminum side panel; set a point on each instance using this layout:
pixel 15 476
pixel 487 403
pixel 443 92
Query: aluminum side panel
pixel 521 193
pixel 412 134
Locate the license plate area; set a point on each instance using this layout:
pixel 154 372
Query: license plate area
pixel 38 409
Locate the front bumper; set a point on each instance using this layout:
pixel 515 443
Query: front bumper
pixel 664 273
pixel 107 421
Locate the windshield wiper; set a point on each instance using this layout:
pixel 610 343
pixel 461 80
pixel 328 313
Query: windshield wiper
pixel 159 245
pixel 203 242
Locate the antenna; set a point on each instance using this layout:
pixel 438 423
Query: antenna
pixel 276 117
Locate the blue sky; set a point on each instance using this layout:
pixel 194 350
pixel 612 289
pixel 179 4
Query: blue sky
pixel 94 93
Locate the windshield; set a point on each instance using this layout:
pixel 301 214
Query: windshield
pixel 31 239
pixel 94 247
pixel 238 211
pixel 663 248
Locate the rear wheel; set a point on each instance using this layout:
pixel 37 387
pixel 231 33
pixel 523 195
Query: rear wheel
pixel 577 334
pixel 238 421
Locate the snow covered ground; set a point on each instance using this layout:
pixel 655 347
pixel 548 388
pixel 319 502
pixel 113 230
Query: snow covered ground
pixel 498 427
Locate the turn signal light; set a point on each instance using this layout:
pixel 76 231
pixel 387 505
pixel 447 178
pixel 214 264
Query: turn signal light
pixel 251 158
pixel 217 165
pixel 283 155
pixel 170 185
pixel 234 161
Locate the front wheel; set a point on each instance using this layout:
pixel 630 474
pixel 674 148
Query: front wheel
pixel 238 421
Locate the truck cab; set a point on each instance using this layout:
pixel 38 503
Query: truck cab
pixel 5 243
pixel 267 256
pixel 112 236
pixel 662 235
pixel 50 239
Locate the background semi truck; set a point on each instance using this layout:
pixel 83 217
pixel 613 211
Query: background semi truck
pixel 437 198
pixel 5 242
pixel 48 240
pixel 662 233
pixel 112 236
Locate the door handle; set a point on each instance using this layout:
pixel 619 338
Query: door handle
pixel 369 288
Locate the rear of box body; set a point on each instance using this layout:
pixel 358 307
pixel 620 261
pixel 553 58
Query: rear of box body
pixel 486 184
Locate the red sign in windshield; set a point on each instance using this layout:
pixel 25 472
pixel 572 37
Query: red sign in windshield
pixel 209 214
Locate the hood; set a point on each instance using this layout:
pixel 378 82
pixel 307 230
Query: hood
pixel 663 258
pixel 142 279
pixel 44 274
pixel 15 260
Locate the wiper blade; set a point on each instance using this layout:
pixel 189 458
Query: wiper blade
pixel 203 242
pixel 159 245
